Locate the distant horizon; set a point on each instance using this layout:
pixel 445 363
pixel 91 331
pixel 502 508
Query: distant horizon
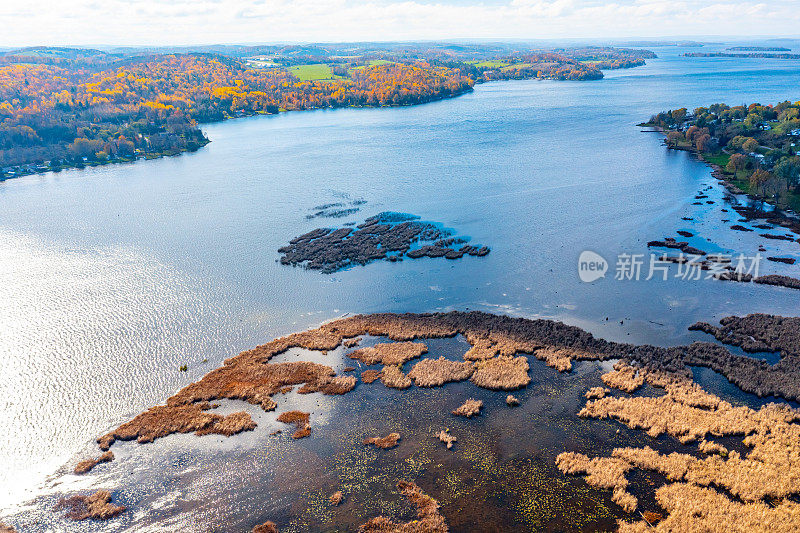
pixel 608 41
pixel 85 23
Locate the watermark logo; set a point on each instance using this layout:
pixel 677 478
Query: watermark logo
pixel 591 266
pixel 635 267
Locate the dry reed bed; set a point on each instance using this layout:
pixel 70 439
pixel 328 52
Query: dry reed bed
pixel 300 421
pixel 437 372
pixel 685 411
pixel 85 466
pixel 428 520
pixel 494 341
pixel 769 471
pixel 267 527
pixel 692 508
pixel 370 375
pixel 6 529
pixel 389 441
pixel 393 377
pixel 469 408
pixel 96 506
pixel 624 377
pixel 445 436
pixel 161 421
pixel 389 353
pixel 596 392
pixel 502 373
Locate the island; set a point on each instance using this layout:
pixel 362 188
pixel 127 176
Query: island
pixel 759 49
pixel 753 55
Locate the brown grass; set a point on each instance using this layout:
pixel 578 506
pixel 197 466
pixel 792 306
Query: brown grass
pixel 351 343
pixel 652 517
pixel 502 373
pixel 770 470
pixel 604 472
pixel 495 341
pixel 596 392
pixel 96 506
pixel 624 377
pixel 6 529
pixel 336 498
pixel 266 527
pixel 429 520
pixel 512 400
pixel 393 377
pixel 709 447
pixel 469 408
pixel 161 421
pixel 370 375
pixel 389 353
pixel 624 499
pixel 558 358
pixel 85 466
pixel 300 421
pixel 230 425
pixel 691 508
pixel 437 372
pixel 445 436
pixel 389 441
pixel 331 386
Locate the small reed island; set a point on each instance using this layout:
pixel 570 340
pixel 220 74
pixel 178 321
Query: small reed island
pixel 716 485
pixel 386 236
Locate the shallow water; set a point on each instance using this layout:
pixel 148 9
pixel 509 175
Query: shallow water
pixel 111 278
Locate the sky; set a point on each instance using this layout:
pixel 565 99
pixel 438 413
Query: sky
pixel 192 22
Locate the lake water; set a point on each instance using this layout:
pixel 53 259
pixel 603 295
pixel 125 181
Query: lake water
pixel 111 278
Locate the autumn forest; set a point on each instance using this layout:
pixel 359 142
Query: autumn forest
pixel 64 108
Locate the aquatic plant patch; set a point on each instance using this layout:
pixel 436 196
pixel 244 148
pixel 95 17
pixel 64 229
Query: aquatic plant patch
pixel 387 236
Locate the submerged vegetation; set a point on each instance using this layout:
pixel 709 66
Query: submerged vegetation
pixel 387 236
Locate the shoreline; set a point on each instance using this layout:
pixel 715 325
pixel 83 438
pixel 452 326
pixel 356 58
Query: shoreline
pixel 716 171
pixel 146 156
pixel 151 156
pixel 496 360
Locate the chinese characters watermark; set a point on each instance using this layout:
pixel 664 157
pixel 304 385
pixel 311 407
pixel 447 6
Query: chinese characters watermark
pixel 636 267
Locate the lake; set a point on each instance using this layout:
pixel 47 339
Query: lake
pixel 111 278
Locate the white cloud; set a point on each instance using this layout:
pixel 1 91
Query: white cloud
pixel 87 22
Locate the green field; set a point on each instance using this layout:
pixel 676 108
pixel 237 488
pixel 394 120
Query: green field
pixel 373 62
pixel 490 64
pixel 516 66
pixel 742 180
pixel 312 72
pixel 720 158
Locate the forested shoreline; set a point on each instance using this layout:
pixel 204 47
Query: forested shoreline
pixel 755 146
pixel 63 108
